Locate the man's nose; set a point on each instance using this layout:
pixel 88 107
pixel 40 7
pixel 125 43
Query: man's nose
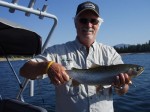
pixel 89 24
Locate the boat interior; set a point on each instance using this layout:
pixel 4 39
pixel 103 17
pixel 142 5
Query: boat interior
pixel 17 40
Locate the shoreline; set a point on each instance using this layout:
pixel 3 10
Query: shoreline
pixel 27 58
pixel 14 59
pixel 134 53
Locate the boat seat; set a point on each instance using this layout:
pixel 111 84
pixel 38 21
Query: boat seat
pixel 12 105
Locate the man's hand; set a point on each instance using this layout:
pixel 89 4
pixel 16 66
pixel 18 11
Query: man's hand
pixel 57 74
pixel 121 83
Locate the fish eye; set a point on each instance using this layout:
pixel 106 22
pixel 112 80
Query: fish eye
pixel 139 68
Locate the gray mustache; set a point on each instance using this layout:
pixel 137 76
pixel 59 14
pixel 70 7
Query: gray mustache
pixel 87 29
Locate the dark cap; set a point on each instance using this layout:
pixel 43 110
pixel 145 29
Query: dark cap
pixel 87 6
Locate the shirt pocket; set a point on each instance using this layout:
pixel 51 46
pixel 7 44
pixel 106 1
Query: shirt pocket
pixel 67 62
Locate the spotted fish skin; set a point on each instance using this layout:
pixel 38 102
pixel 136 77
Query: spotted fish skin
pixel 104 75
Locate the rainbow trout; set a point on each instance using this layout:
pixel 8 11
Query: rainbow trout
pixel 104 75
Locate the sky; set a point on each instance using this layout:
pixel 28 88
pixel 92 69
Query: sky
pixel 125 21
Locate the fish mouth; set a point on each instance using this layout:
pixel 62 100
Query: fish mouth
pixel 141 70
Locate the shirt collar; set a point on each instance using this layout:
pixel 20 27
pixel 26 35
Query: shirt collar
pixel 78 44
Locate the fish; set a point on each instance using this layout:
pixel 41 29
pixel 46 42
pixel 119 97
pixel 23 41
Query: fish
pixel 104 75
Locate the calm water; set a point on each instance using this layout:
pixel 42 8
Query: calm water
pixel 136 100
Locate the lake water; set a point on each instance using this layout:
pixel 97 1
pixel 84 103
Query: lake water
pixel 136 100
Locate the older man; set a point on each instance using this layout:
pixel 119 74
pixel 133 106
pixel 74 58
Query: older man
pixel 83 53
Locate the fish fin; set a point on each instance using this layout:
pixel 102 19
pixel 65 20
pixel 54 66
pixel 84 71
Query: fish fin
pixel 95 66
pixel 98 88
pixel 74 68
pixel 75 83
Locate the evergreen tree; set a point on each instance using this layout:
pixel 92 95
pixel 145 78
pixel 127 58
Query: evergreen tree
pixel 134 48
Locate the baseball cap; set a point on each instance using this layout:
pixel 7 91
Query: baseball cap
pixel 87 6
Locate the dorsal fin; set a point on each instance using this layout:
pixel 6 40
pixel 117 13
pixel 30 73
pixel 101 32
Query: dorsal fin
pixel 95 66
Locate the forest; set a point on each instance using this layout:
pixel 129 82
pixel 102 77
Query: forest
pixel 139 48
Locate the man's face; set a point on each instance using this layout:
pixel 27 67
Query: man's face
pixel 87 27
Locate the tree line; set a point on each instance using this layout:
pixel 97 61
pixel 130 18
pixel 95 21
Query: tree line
pixel 139 48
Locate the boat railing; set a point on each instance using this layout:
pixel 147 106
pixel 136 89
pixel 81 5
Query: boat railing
pixel 41 13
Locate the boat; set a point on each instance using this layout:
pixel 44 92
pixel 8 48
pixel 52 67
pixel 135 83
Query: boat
pixel 12 105
pixel 20 41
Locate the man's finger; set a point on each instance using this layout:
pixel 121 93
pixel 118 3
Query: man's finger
pixel 122 79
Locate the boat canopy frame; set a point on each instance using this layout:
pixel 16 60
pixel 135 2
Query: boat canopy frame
pixel 38 48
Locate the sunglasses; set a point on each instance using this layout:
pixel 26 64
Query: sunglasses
pixel 90 20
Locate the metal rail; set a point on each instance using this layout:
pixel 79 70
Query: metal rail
pixel 41 13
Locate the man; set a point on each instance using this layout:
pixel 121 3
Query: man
pixel 83 53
